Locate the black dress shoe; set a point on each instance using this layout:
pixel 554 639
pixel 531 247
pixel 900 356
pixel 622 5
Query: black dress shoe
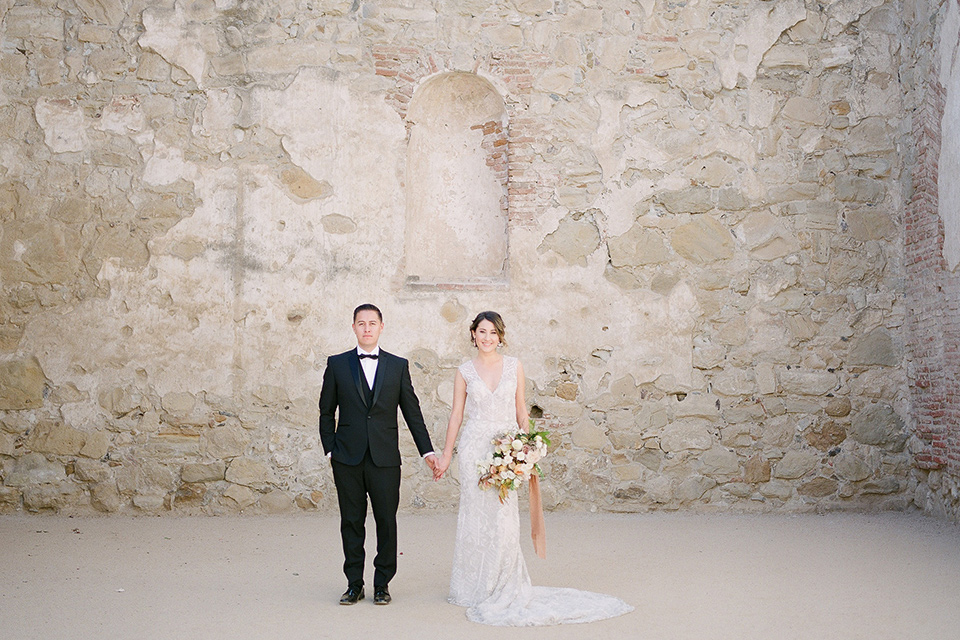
pixel 352 595
pixel 381 595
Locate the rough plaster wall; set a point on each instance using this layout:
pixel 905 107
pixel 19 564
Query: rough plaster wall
pixel 949 163
pixel 704 270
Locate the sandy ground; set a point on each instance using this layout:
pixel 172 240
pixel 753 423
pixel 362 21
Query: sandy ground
pixel 840 576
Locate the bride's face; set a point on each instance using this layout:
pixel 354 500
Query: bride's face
pixel 486 337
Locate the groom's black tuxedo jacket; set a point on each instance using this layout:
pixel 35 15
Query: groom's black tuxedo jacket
pixel 368 419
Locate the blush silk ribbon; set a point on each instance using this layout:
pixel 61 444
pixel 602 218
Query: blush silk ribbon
pixel 538 530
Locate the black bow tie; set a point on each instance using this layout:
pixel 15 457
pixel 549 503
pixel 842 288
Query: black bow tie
pixel 369 355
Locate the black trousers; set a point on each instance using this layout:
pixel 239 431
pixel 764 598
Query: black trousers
pixel 354 483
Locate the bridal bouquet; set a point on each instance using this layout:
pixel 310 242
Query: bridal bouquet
pixel 515 458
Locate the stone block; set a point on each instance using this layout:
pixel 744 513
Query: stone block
pixel 766 236
pixel 734 382
pixel 276 502
pixel 795 464
pixel 88 470
pixel 805 111
pixel 557 81
pixel 9 497
pixel 816 214
pixel 787 55
pixel 851 467
pixel 50 496
pixel 756 469
pixel 95 444
pixel 309 501
pixel 179 403
pixel 874 349
pixel 826 436
pixel 731 199
pixel 689 200
pixel 589 436
pixel 533 7
pixel 883 486
pixel 95 33
pixel 250 473
pixel 104 496
pixel 108 12
pixel 628 472
pixel 8 442
pixel 719 461
pixel 110 62
pixel 303 186
pixel 734 333
pixel 766 378
pixel 692 489
pixel 702 241
pixel 153 67
pixel 576 238
pixel 56 438
pixel 203 472
pixel 879 425
pixel 21 384
pixel 567 391
pixel 807 383
pixel 229 441
pixel 870 136
pixel 41 252
pixel 819 487
pixel 858 189
pixel 650 458
pixel 241 496
pixel 150 502
pixel 838 407
pixel 697 406
pixel 32 22
pixel 337 224
pixel 189 495
pixel 739 489
pixel 33 469
pixel 145 479
pixel 778 489
pixel 686 435
pixel 871 223
pixel 637 247
pixel 666 60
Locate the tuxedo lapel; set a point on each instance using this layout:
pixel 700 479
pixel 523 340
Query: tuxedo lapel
pixel 357 372
pixel 382 367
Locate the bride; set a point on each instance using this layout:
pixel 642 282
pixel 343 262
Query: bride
pixel 489 574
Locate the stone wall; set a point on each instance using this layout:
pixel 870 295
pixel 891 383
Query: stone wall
pixel 704 280
pixel 933 287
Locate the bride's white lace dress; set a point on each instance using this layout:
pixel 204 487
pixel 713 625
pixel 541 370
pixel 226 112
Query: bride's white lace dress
pixel 489 573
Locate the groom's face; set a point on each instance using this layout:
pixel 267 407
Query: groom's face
pixel 367 325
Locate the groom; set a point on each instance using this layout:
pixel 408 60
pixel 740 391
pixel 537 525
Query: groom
pixel 367 386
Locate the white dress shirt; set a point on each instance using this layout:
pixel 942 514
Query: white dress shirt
pixel 369 365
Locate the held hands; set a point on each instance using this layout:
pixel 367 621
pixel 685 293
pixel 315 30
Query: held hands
pixel 441 467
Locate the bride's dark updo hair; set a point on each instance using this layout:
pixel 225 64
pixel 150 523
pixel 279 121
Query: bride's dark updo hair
pixel 492 317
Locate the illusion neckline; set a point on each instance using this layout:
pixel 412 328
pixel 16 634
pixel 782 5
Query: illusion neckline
pixel 493 391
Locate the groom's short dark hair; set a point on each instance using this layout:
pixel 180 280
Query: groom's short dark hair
pixel 367 307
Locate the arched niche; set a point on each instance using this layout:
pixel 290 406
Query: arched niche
pixel 456 183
